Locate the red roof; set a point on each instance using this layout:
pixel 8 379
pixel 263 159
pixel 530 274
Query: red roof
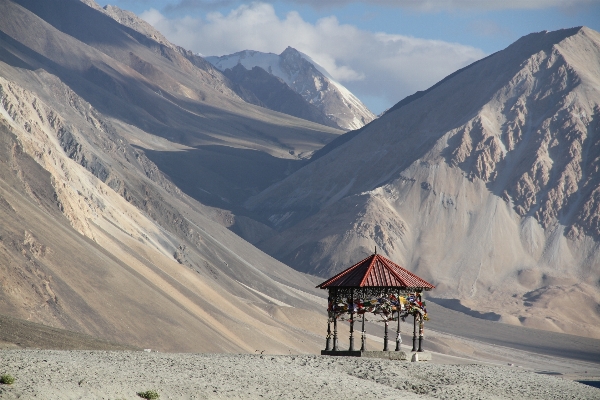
pixel 376 271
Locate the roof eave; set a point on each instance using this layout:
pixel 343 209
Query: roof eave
pixel 413 288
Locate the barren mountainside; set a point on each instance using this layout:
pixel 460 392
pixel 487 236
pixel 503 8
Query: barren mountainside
pixel 275 94
pixel 95 238
pixel 487 186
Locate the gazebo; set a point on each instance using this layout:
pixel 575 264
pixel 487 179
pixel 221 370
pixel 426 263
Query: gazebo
pixel 379 286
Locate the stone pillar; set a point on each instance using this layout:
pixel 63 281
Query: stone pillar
pixel 414 348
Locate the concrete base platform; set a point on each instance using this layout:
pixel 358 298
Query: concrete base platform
pixel 422 356
pixel 390 355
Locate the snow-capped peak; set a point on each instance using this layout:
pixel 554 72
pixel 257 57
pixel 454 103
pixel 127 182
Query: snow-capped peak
pixel 308 79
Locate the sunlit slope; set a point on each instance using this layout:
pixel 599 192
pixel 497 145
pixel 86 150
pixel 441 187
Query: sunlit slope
pixel 99 242
pixel 160 89
pixel 486 186
pixel 94 237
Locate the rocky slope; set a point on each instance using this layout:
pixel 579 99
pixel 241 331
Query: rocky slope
pixel 315 86
pixel 487 185
pixel 95 238
pixel 166 92
pixel 101 243
pixel 275 94
pixel 130 20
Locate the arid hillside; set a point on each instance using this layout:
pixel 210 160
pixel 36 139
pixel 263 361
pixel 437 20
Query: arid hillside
pixel 487 185
pixel 95 238
pixel 140 81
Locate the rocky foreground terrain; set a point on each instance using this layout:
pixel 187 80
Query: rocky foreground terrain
pixel 118 375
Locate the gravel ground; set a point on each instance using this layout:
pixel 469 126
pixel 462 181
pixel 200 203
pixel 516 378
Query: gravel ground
pixel 51 374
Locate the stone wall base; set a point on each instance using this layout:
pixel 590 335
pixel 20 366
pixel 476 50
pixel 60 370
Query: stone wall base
pixel 420 356
pixel 390 355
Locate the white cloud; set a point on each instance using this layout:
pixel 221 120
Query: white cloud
pixel 420 5
pixel 372 65
pixel 435 5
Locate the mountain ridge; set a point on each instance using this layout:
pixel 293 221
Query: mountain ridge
pixel 275 94
pixel 486 186
pixel 301 74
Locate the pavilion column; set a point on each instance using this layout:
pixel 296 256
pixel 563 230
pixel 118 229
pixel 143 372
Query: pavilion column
pixel 328 338
pixel 385 337
pixel 414 348
pixel 363 335
pixel 398 337
pixel 351 321
pixel 421 324
pixel 335 337
pixel 421 329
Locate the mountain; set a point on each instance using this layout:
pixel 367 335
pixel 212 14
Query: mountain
pixel 96 237
pixel 130 20
pixel 486 185
pixel 275 94
pixel 169 92
pixel 125 161
pixel 303 76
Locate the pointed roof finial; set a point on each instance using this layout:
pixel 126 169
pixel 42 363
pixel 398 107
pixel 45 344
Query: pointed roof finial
pixel 375 249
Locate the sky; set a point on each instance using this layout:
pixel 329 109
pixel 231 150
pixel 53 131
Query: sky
pixel 381 50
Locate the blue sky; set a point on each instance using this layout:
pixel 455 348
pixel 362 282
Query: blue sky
pixel 382 50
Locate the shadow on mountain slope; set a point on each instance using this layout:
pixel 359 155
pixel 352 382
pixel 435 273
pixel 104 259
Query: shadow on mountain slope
pixel 222 176
pixel 18 333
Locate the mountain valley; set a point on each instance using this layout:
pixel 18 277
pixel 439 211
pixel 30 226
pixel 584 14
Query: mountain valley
pixel 157 199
